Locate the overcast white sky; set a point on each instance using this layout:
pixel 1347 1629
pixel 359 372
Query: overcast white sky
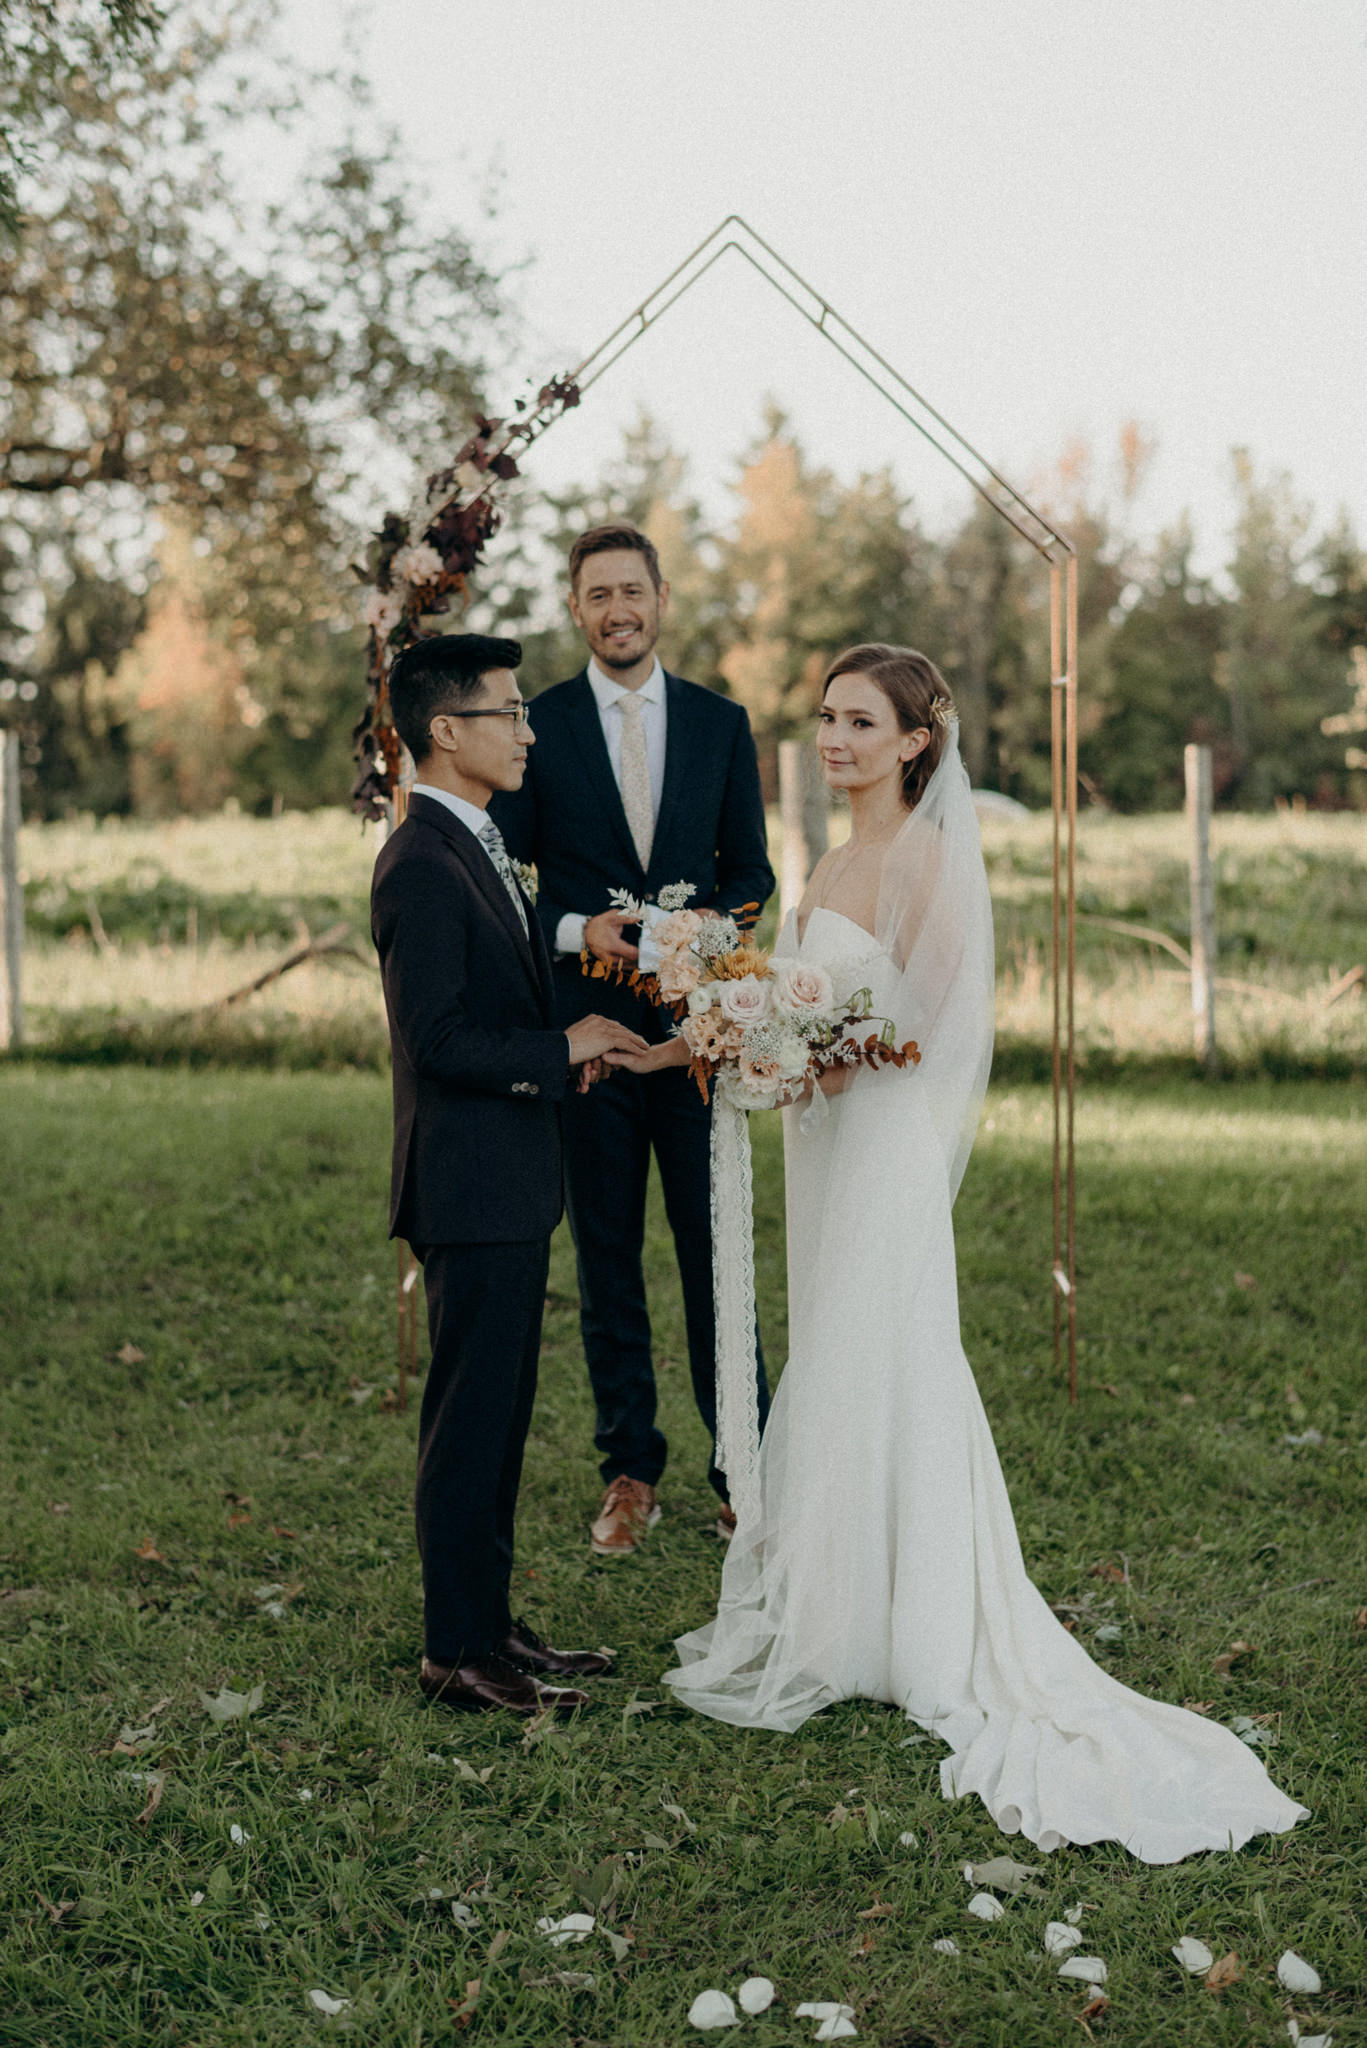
pixel 1051 217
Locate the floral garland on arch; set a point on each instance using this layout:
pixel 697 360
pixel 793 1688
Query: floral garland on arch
pixel 417 570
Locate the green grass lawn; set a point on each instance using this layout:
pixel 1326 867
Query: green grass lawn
pixel 230 1506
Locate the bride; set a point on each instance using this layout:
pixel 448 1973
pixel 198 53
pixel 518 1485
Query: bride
pixel 880 1560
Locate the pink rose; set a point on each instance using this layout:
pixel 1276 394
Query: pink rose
pixel 802 990
pixel 747 1001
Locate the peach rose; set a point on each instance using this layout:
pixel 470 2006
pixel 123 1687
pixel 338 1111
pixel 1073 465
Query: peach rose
pixel 705 1035
pixel 676 933
pixel 678 976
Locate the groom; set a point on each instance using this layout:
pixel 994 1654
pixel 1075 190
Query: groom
pixel 639 779
pixel 481 1072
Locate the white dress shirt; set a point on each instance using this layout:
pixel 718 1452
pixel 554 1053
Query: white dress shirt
pixel 608 696
pixel 469 814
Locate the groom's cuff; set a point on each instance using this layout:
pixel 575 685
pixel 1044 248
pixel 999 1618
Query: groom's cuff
pixel 569 933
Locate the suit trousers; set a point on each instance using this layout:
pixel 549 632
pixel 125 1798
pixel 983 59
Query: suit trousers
pixel 609 1135
pixel 484 1308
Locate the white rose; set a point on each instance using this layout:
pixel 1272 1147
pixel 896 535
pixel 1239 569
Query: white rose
pixel 747 1001
pixel 700 999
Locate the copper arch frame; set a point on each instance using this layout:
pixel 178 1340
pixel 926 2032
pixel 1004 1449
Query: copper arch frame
pixel 1046 540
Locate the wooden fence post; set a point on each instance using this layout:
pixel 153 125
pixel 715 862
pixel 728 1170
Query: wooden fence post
pixel 1199 799
pixel 12 887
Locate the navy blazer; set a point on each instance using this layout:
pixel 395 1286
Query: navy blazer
pixel 479 1067
pixel 568 819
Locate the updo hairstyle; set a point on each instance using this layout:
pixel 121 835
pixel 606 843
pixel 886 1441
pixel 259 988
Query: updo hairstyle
pixel 919 696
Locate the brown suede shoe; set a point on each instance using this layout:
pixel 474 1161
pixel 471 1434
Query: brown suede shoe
pixel 492 1681
pixel 523 1646
pixel 629 1509
pixel 726 1521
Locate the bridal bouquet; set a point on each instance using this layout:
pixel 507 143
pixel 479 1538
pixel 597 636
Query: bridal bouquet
pixel 759 1030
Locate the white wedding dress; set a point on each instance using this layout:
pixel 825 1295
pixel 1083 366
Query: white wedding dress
pixel 879 1558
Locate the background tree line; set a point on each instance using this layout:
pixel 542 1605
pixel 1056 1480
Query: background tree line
pixel 200 393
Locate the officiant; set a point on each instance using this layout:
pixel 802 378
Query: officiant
pixel 638 779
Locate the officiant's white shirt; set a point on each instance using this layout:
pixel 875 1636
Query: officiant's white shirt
pixel 609 696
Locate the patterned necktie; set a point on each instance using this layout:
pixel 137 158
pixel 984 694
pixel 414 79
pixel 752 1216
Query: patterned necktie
pixel 491 839
pixel 636 799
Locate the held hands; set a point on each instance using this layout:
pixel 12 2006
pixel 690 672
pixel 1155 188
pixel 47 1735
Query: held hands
pixel 591 1039
pixel 673 1052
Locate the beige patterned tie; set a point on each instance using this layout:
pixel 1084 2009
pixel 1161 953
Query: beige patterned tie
pixel 636 800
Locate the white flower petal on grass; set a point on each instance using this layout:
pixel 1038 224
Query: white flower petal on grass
pixel 331 2006
pixel 226 1705
pixel 945 1947
pixel 238 1835
pixel 196 1898
pixel 983 1906
pixel 1086 1969
pixel 1059 1938
pixel 1295 1974
pixel 263 1921
pixel 756 1995
pixel 837 2029
pixel 1074 1913
pixel 712 2009
pixel 1308 2040
pixel 909 1840
pixel 574 1927
pixel 305 1794
pixel 1193 1955
pixel 824 2009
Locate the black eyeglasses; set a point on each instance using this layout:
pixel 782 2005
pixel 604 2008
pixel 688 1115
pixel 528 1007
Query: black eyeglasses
pixel 518 714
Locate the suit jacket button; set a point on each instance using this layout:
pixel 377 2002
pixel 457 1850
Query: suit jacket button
pixel 532 1088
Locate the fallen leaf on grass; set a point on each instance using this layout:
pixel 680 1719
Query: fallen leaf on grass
pixel 1227 1659
pixel 620 1944
pixel 463 2010
pixel 1254 1731
pixel 56 1914
pixel 1186 1400
pixel 465 1770
pixel 756 1995
pixel 149 1553
pixel 238 1519
pixel 59 1507
pixel 156 1785
pixel 497 1945
pixel 226 1705
pixel 1059 1938
pixel 879 1910
pixel 1226 1972
pixel 865 1947
pixel 1193 1955
pixel 1002 1875
pixel 325 2004
pixel 278 1530
pixel 712 2009
pixel 677 1813
pixel 463 1915
pixel 1112 1572
pixel 129 1354
pixel 1094 2008
pixel 635 1706
pixel 566 1980
pixel 1295 1974
pixel 1198 1706
pixel 1246 1281
pixel 1360 1618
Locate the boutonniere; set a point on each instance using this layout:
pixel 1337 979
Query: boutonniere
pixel 526 877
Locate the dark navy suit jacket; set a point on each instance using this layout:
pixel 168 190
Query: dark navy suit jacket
pixel 568 819
pixel 480 1068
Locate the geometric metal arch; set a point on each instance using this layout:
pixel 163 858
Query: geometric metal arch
pixel 736 235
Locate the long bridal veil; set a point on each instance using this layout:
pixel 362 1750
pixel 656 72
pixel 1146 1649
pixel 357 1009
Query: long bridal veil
pixel 934 922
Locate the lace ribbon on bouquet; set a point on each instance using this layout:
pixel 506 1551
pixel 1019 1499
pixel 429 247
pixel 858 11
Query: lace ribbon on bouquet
pixel 733 1287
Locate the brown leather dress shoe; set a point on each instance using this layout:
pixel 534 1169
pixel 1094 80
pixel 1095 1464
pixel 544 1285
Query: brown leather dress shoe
pixel 629 1509
pixel 523 1646
pixel 726 1521
pixel 492 1681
